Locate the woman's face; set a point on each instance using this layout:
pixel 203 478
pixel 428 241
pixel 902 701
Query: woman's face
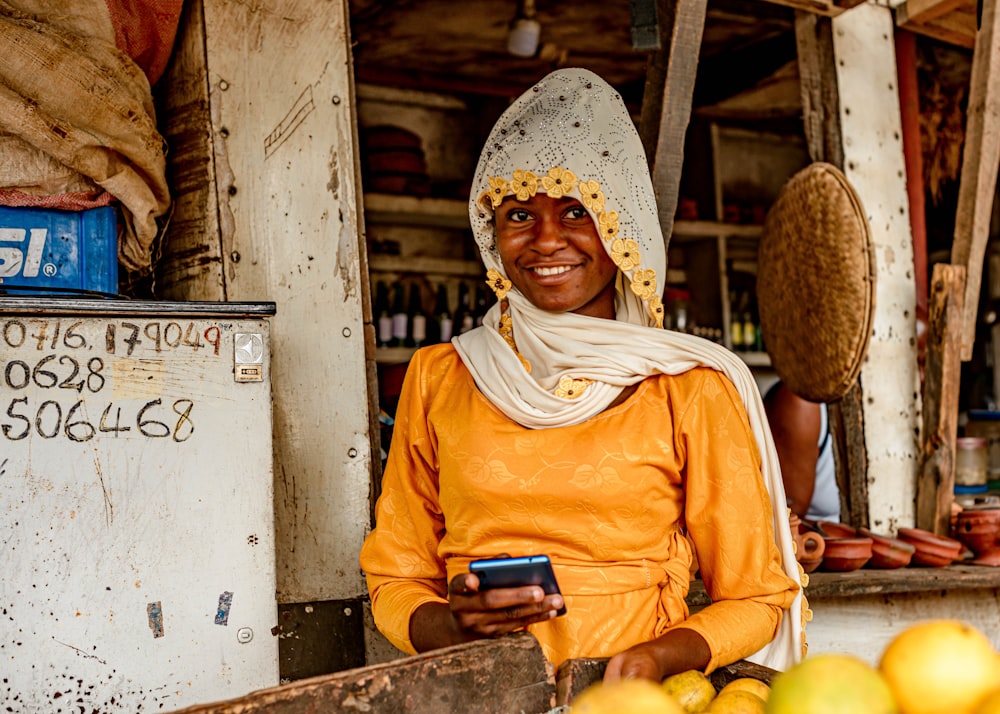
pixel 552 253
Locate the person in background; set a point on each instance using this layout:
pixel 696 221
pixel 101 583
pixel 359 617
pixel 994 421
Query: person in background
pixel 805 449
pixel 571 424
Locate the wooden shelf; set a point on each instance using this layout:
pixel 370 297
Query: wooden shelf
pixel 430 266
pixel 714 229
pixel 755 359
pixel 416 211
pixel 394 355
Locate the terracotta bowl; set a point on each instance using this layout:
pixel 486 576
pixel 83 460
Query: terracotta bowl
pixel 837 530
pixel 888 552
pixel 843 554
pixel 932 550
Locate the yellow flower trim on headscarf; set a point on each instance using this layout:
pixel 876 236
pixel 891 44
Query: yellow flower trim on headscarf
pixel 499 188
pixel 524 185
pixel 644 283
pixel 625 253
pixel 506 330
pixel 570 388
pixel 591 196
pixel 560 182
pixel 608 224
pixel 498 283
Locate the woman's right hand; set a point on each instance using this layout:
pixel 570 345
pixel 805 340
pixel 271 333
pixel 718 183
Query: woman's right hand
pixel 474 614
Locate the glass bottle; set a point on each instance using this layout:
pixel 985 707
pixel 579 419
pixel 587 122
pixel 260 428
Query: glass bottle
pixel 417 318
pixel 383 318
pixel 463 321
pixel 442 315
pixel 400 320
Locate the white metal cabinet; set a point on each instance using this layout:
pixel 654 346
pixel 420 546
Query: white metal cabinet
pixel 136 514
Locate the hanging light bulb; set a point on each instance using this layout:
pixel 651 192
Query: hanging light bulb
pixel 524 31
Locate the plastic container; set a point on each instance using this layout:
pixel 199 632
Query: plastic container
pixel 44 251
pixel 985 423
pixel 970 461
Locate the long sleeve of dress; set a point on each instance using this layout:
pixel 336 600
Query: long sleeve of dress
pixel 400 557
pixel 727 515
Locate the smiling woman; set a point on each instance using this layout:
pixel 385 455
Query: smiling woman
pixel 553 255
pixel 572 425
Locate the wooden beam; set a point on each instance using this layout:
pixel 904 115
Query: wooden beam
pixel 925 10
pixel 821 115
pixel 980 161
pixel 666 103
pixel 909 110
pixel 818 84
pixel 942 375
pixel 508 674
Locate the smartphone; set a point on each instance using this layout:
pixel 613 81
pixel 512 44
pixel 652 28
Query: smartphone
pixel 517 572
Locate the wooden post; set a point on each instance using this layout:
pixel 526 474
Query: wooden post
pixel 980 161
pixel 936 480
pixel 666 103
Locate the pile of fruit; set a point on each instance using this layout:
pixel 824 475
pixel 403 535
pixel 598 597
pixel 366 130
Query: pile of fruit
pixel 940 666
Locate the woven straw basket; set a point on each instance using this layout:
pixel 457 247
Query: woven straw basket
pixel 816 283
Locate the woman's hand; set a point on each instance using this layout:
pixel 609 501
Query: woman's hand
pixel 472 614
pixel 674 651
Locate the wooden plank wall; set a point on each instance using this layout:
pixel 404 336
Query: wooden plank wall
pixel 264 161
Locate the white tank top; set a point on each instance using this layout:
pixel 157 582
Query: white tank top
pixel 825 504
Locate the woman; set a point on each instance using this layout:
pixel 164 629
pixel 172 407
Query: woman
pixel 571 424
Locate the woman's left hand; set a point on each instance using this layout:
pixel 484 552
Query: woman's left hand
pixel 674 651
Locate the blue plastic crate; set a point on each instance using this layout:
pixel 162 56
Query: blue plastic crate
pixel 58 251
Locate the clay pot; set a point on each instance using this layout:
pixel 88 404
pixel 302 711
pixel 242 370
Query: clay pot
pixel 888 552
pixel 809 545
pixel 979 531
pixel 932 550
pixel 844 554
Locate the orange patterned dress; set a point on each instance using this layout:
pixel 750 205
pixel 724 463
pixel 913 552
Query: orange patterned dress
pixel 616 502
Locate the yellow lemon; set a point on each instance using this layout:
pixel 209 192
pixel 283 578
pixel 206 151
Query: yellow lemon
pixel 748 684
pixel 940 666
pixel 990 704
pixel 736 701
pixel 692 690
pixel 830 683
pixel 625 696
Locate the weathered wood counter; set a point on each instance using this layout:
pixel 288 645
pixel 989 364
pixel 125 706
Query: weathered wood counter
pixel 823 586
pixel 859 612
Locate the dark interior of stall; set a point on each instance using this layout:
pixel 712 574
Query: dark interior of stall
pixel 433 77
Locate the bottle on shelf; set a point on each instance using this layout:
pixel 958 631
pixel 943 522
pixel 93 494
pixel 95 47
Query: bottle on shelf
pixel 383 317
pixel 442 315
pixel 482 305
pixel 749 329
pixel 400 320
pixel 417 318
pixel 736 321
pixel 464 320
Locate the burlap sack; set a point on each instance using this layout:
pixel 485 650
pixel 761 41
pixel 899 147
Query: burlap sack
pixel 72 100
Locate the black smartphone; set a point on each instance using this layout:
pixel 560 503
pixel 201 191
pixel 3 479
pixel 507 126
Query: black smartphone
pixel 517 572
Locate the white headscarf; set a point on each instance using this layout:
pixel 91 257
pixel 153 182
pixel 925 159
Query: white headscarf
pixel 571 134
